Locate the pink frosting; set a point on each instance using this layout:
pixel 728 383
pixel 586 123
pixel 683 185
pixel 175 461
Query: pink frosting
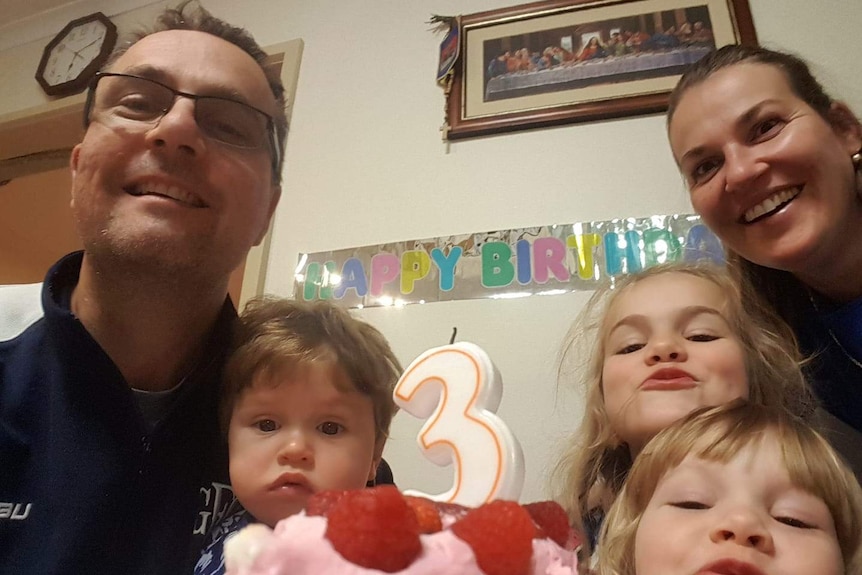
pixel 297 546
pixel 551 559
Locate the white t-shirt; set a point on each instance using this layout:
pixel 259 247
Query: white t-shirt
pixel 20 307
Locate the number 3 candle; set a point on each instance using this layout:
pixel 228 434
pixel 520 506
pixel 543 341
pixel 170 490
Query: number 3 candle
pixel 457 389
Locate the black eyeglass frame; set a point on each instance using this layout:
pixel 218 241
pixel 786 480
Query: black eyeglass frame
pixel 270 122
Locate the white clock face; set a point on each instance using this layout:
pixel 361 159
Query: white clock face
pixel 74 52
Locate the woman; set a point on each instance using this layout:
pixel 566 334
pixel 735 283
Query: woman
pixel 772 164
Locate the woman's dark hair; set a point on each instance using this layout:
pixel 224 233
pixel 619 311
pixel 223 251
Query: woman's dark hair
pixel 799 76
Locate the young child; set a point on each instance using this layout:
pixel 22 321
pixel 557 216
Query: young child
pixel 662 343
pixel 742 489
pixel 307 406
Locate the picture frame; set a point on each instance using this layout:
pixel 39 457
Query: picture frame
pixel 561 75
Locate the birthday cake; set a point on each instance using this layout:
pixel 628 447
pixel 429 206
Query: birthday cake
pixel 379 530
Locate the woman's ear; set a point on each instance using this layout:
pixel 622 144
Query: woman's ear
pixel 846 126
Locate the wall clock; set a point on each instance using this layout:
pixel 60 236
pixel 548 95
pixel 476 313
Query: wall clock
pixel 75 54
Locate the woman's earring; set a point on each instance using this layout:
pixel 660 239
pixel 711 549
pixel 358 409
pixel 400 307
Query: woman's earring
pixel 857 163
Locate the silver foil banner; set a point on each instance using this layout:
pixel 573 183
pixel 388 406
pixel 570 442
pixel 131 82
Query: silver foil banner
pixel 544 260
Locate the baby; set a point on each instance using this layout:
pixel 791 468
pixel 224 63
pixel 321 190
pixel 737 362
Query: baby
pixel 307 406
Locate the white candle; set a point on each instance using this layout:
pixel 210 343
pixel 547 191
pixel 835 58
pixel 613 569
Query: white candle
pixel 457 389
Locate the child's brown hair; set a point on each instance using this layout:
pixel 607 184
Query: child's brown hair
pixel 275 336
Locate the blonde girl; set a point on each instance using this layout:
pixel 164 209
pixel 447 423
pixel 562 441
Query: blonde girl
pixel 741 488
pixel 662 343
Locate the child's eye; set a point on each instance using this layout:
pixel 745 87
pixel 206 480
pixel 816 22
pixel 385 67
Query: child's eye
pixel 702 337
pixel 266 425
pixel 792 522
pixel 631 348
pixel 690 505
pixel 330 428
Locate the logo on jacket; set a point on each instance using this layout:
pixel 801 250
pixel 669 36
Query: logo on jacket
pixel 14 511
pixel 217 499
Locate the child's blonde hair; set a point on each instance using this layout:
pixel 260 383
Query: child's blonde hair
pixel 595 463
pixel 718 434
pixel 276 336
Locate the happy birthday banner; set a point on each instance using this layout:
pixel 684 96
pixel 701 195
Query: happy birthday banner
pixel 542 260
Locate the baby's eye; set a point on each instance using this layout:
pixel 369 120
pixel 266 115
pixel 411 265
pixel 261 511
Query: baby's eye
pixel 330 428
pixel 697 505
pixel 631 348
pixel 793 522
pixel 702 337
pixel 266 425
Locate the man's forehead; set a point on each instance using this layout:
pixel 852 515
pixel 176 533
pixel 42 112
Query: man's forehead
pixel 196 61
pixel 184 49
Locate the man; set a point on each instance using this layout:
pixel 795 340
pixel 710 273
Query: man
pixel 112 460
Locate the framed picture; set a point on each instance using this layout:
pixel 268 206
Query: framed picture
pixel 562 61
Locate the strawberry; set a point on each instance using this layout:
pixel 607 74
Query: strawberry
pixel 551 521
pixel 321 502
pixel 501 535
pixel 426 514
pixel 374 528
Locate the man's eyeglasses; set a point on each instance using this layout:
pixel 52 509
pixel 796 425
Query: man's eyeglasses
pixel 123 98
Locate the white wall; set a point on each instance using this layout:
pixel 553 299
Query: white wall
pixel 365 165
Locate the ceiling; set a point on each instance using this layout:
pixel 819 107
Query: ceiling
pixel 14 10
pixel 26 21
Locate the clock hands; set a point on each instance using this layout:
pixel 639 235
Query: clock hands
pixel 77 53
pixel 70 58
pixel 88 45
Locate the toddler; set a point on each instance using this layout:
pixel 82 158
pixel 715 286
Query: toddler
pixel 307 405
pixel 664 342
pixel 742 489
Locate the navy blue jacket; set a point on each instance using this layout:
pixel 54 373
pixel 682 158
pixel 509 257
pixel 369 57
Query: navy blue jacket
pixel 833 374
pixel 86 485
pixel 837 380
